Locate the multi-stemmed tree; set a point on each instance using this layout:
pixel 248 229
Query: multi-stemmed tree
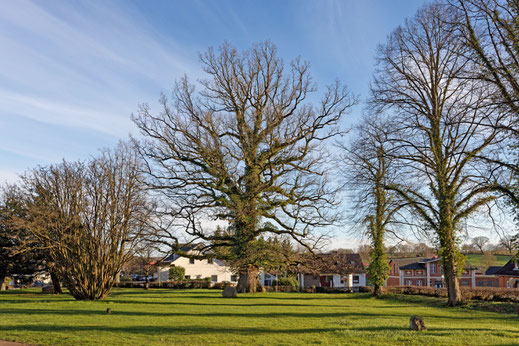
pixel 88 216
pixel 248 149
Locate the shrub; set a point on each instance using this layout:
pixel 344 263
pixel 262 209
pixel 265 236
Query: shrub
pixel 286 281
pixel 471 293
pixel 176 273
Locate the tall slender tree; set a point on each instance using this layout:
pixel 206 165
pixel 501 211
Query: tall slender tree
pixel 369 168
pixel 443 123
pixel 247 149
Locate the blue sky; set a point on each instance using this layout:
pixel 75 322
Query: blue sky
pixel 72 72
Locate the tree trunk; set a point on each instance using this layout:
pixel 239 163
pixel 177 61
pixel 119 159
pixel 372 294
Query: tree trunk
pixel 248 281
pixel 378 291
pixel 3 285
pixel 451 280
pixel 55 282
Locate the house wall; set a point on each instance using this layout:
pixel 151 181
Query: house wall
pixel 393 281
pixel 266 279
pixel 198 270
pixel 337 280
pixel 487 281
pixel 508 281
pixel 311 280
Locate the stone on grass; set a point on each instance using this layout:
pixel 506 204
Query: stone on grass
pixel 417 323
pixel 108 311
pixel 48 289
pixel 229 292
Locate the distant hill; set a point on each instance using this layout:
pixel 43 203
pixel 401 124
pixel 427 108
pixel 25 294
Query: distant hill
pixel 477 260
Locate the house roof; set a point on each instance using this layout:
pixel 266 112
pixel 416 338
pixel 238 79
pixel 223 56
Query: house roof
pixel 415 265
pixel 492 270
pixel 420 264
pixel 510 268
pixel 334 262
pixel 184 248
pixel 400 262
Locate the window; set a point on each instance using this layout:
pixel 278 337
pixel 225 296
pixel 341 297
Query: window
pixel 355 279
pixel 214 278
pixel 191 261
pixel 408 282
pixel 199 276
pixel 233 278
pixel 433 268
pixel 419 272
pixel 210 261
pixel 418 282
pixel 464 282
pixel 409 272
pixel 480 283
pixel 187 277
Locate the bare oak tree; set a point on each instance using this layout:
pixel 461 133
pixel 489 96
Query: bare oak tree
pixel 480 243
pixel 88 216
pixel 247 149
pixel 443 123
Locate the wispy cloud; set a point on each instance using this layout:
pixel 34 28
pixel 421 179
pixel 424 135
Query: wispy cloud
pixel 79 67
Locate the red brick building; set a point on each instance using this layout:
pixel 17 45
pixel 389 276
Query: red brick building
pixel 508 275
pixel 426 272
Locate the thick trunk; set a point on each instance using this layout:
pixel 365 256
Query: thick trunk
pixel 451 279
pixel 378 291
pixel 3 285
pixel 248 281
pixel 55 282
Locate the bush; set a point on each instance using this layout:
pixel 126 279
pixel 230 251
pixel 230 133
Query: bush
pixel 125 278
pixel 286 281
pixel 471 293
pixel 176 273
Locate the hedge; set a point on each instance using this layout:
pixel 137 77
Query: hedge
pixel 473 293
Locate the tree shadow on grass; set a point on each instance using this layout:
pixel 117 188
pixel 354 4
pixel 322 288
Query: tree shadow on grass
pixel 230 303
pixel 203 329
pixel 434 330
pixel 311 315
pixel 150 330
pixel 30 301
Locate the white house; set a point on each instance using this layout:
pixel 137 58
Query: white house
pixel 215 269
pixel 334 270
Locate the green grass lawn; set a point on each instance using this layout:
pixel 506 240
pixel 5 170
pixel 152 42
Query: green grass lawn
pixel 475 260
pixel 197 317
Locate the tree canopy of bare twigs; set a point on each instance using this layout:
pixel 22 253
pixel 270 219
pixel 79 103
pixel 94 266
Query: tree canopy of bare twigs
pixel 443 121
pixel 491 31
pixel 368 169
pixel 480 242
pixel 88 215
pixel 19 253
pixel 248 149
